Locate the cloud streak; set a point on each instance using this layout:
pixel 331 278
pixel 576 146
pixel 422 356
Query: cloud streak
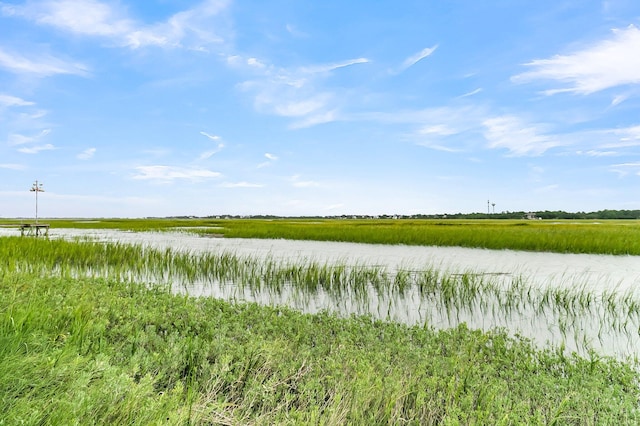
pixel 20 139
pixel 606 64
pixel 623 169
pixel 240 185
pixel 417 57
pixel 212 137
pixel 208 154
pixel 43 65
pixel 10 101
pixel 188 28
pixel 87 154
pixel 324 68
pixel 296 93
pixel 36 149
pixel 270 159
pixel 161 173
pixel 473 92
pixel 518 137
pixel 297 183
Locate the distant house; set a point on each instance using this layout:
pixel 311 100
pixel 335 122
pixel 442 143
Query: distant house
pixel 531 216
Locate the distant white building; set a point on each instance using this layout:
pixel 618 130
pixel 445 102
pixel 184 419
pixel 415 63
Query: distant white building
pixel 531 216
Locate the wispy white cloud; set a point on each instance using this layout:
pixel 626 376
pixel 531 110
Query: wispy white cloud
pixel 291 29
pixel 623 169
pixel 298 93
pixel 296 108
pixel 158 152
pixel 437 146
pixel 86 154
pixel 190 28
pixel 438 136
pixel 519 137
pixel 324 68
pixel 618 99
pixel 597 153
pixel 253 62
pixel 36 149
pixel 455 118
pixel 473 92
pixel 212 137
pixel 10 101
pixel 240 185
pixel 296 182
pixel 621 137
pixel 78 16
pixel 437 129
pixel 20 139
pixel 417 57
pixel 470 127
pixel 440 128
pixel 315 119
pixel 270 159
pixel 32 115
pixel 209 153
pixel 41 65
pixel 162 173
pixel 608 63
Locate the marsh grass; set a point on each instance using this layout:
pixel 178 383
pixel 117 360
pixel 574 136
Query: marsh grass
pixel 605 237
pixel 102 351
pixel 572 315
pixel 618 237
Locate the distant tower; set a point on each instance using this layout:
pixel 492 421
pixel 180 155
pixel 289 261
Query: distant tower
pixel 488 210
pixel 37 187
pixel 494 207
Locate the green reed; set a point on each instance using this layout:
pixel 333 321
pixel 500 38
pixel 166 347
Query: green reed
pixel 604 237
pixel 74 322
pixel 94 351
pixel 456 294
pixel 565 236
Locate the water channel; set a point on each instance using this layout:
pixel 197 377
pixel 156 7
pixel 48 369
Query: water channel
pixel 595 274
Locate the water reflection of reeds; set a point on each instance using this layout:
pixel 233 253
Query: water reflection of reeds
pixel 564 314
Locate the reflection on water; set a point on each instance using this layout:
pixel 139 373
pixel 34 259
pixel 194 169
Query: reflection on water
pixel 577 330
pixel 579 302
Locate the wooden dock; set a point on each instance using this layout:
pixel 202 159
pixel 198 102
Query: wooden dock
pixel 31 229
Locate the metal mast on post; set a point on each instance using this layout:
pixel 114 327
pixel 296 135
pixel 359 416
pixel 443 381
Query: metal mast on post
pixel 37 187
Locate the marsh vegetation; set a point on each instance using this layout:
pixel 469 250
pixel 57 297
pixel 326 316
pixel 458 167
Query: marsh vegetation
pixel 114 332
pixel 617 237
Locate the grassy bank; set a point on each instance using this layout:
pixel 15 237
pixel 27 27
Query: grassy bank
pixel 616 237
pixel 600 237
pixel 82 343
pixel 90 351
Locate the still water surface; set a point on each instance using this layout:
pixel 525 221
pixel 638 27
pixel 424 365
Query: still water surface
pixel 593 273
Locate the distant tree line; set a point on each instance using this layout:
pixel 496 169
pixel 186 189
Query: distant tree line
pixel 546 214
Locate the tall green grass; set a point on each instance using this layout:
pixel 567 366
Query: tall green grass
pixel 448 297
pixel 602 237
pixel 95 351
pixel 614 237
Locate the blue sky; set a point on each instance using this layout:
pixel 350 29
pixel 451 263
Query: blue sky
pixel 290 107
